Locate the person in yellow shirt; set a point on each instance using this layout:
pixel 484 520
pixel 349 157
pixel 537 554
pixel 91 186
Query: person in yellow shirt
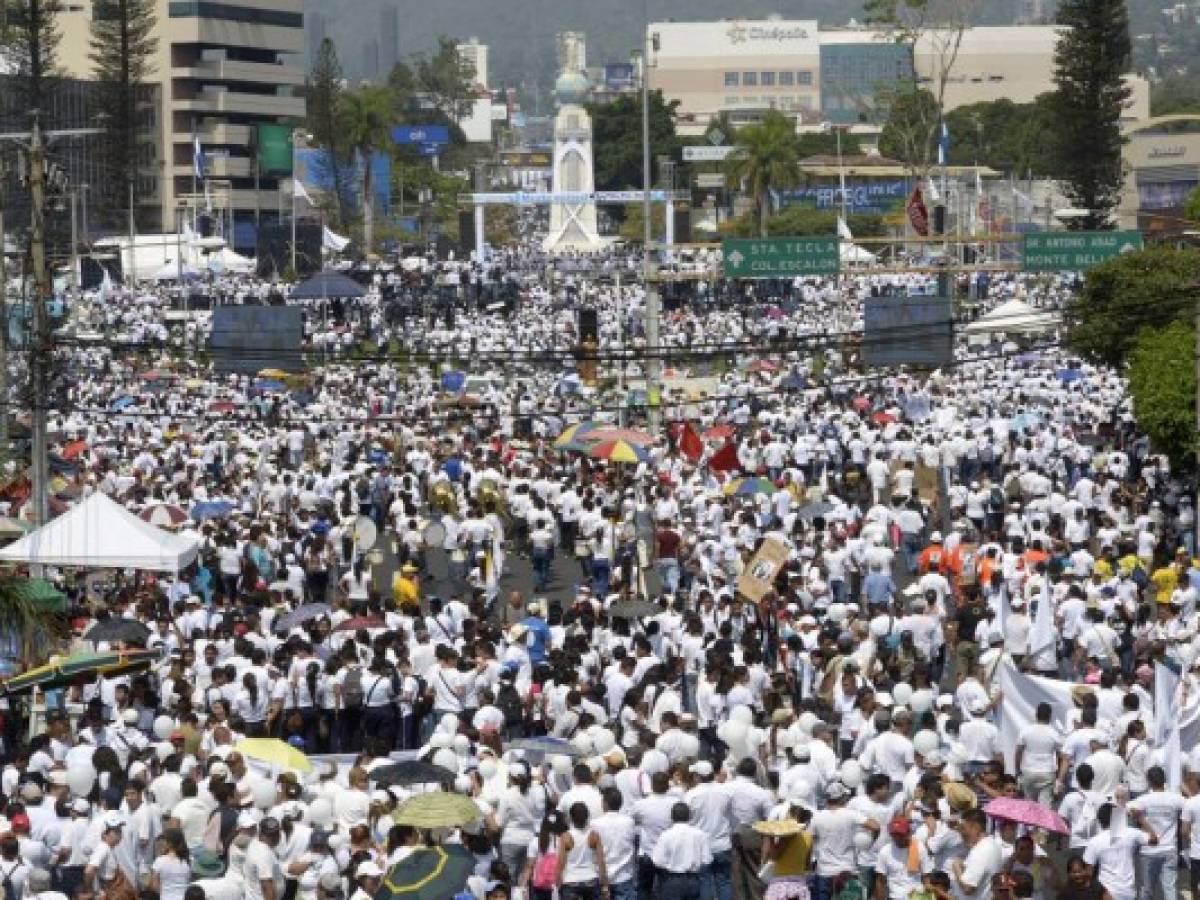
pixel 406 587
pixel 791 857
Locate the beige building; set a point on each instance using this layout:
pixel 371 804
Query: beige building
pixel 221 68
pixel 1161 161
pixel 744 67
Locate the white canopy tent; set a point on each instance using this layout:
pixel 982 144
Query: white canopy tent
pixel 99 533
pixel 1015 317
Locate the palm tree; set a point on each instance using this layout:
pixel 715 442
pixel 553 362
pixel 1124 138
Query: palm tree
pixel 368 118
pixel 766 160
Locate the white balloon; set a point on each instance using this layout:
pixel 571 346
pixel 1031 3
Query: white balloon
pixel 583 743
pixel 320 812
pixel 560 764
pixel 921 701
pixel 925 742
pixel 80 779
pixel 449 722
pixel 163 726
pixel 863 841
pixel 462 744
pixel 742 715
pixel 784 739
pixel 902 693
pixel 735 738
pixel 689 746
pixel 440 740
pixel 807 721
pixel 851 774
pixel 723 732
pixel 447 759
pixel 487 768
pixel 603 741
pixel 264 794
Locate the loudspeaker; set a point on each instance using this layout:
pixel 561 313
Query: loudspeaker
pixel 466 232
pixel 683 226
pixel 589 326
pixel 275 247
pixel 939 219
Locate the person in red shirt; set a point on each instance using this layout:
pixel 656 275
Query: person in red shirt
pixel 667 543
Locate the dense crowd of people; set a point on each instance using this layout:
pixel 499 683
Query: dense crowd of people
pixel 969 674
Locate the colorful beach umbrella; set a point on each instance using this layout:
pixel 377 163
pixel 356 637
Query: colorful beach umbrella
pixel 629 435
pixel 571 432
pixel 163 515
pixel 618 452
pixel 746 487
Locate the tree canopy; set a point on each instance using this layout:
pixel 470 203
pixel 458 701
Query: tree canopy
pixel 1162 382
pixel 1007 136
pixel 767 161
pixel 617 140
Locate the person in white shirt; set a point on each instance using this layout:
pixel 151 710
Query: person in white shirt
pixel 895 876
pixel 617 832
pixel 1037 759
pixel 971 877
pixel 833 830
pixel 1112 853
pixel 711 803
pixel 1160 809
pixel 681 855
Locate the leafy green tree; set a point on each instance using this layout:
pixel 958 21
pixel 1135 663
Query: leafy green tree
pixel 825 143
pixel 122 47
pixel 617 140
pixel 1147 289
pixel 446 79
pixel 1191 206
pixel 326 112
pixel 633 229
pixel 906 135
pixel 1162 382
pixel 767 160
pixel 29 41
pixel 1007 136
pixel 368 120
pixel 1090 60
pixel 1176 94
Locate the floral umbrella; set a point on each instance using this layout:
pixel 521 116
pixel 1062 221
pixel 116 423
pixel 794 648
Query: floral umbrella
pixel 618 452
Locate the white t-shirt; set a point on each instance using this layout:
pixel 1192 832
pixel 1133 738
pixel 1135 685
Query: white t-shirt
pixel 174 876
pixel 1114 853
pixel 1191 815
pixel 982 862
pixel 892 864
pixel 261 864
pixel 833 839
pixel 1162 809
pixel 1041 743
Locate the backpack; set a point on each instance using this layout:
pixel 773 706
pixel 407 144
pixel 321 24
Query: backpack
pixel 545 871
pixel 996 499
pixel 353 694
pixel 509 702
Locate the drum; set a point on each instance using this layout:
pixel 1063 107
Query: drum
pixel 434 535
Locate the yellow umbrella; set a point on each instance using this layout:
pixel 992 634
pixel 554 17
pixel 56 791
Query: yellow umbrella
pixel 568 434
pixel 194 383
pixel 274 752
pixel 272 373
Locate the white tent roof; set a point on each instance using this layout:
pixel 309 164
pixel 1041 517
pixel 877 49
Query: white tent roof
pixel 99 533
pixel 1014 317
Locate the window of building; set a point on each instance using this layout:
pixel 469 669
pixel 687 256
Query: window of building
pixel 732 79
pixel 205 9
pixel 750 79
pixel 787 79
pixel 767 79
pixel 804 78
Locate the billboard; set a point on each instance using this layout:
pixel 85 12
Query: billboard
pixel 874 195
pixel 421 134
pixel 619 76
pixel 273 146
pixel 247 339
pixel 908 331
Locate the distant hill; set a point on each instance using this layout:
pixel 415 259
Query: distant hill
pixel 520 33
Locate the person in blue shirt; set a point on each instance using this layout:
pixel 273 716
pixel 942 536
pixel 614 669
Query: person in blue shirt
pixel 878 586
pixel 538 637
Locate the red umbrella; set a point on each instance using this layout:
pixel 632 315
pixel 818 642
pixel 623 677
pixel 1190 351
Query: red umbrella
pixel 74 449
pixel 720 432
pixel 367 622
pixel 156 375
pixel 222 406
pixel 883 418
pixel 629 435
pixel 761 365
pixel 163 515
pixel 861 404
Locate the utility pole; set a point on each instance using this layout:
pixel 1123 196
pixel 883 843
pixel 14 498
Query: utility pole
pixel 649 267
pixel 4 411
pixel 131 275
pixel 39 359
pixel 74 197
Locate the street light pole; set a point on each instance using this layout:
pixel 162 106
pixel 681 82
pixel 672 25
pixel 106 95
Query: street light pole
pixel 39 358
pixel 653 360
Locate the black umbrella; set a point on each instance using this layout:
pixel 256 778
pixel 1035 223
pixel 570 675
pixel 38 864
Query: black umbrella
pixel 116 628
pixel 411 771
pixel 815 510
pixel 328 285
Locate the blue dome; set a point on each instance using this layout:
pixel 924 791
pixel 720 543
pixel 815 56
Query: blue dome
pixel 572 87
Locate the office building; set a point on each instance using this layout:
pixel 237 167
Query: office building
pixel 220 71
pixel 476 120
pixel 475 55
pixel 1161 159
pixel 743 68
pixel 389 40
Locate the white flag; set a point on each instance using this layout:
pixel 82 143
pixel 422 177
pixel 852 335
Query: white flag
pixel 934 196
pixel 299 191
pixel 1042 637
pixel 1166 722
pixel 844 230
pixel 334 242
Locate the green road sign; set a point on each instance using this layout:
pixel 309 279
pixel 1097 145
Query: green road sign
pixel 1073 251
pixel 781 257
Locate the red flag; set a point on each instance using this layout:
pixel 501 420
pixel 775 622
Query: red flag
pixel 690 443
pixel 725 459
pixel 918 215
